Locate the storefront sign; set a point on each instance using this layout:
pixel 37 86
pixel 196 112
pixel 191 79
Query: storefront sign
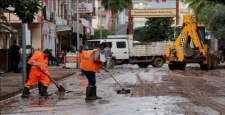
pixel 153 12
pixel 71 60
pixel 45 28
pixel 85 7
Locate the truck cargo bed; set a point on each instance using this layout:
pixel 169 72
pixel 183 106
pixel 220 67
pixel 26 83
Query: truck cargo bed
pixel 149 49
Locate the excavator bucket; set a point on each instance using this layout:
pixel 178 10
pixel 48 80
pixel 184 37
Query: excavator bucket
pixel 189 52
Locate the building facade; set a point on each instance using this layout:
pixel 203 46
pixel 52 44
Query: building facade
pixel 54 25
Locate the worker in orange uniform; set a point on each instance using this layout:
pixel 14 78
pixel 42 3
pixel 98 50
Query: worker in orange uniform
pixel 80 56
pixel 90 65
pixel 39 72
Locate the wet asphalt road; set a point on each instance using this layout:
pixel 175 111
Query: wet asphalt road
pixel 154 91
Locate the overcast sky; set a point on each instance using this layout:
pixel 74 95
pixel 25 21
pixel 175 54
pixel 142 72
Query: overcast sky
pixel 168 4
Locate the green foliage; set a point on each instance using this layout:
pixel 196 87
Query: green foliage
pixel 155 29
pixel 116 5
pixel 198 6
pixel 24 9
pixel 211 13
pixel 216 20
pixel 105 33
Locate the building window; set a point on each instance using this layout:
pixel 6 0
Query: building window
pixel 120 44
pixel 65 12
pixel 135 5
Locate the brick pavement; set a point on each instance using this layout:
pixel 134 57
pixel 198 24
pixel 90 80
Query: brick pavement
pixel 11 83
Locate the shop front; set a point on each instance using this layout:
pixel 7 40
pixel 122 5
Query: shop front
pixel 6 33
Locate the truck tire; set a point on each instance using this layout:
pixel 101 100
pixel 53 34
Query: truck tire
pixel 182 66
pixel 172 66
pixel 111 64
pixel 143 65
pixel 158 62
pixel 215 62
pixel 207 66
pixel 177 66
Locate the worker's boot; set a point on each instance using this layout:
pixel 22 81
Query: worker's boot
pixel 44 91
pixel 25 92
pixel 39 87
pixel 94 93
pixel 89 91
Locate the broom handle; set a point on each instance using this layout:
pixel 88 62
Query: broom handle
pixel 115 79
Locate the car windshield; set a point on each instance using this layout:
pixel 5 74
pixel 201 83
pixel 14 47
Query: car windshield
pixel 89 45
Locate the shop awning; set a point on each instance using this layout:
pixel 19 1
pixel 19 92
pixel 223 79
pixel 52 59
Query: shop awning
pixel 7 29
pixel 60 28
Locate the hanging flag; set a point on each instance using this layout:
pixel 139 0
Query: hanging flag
pixel 45 2
pixel 107 19
pixel 157 1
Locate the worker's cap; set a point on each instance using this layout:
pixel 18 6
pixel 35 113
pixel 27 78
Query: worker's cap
pixel 48 51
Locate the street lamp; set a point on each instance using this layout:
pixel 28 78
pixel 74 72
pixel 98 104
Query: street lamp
pixel 101 19
pixel 78 43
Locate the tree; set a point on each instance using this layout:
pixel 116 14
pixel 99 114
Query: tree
pixel 198 6
pixel 216 20
pixel 140 34
pixel 115 6
pixel 105 33
pixel 218 1
pixel 159 29
pixel 24 9
pixel 211 13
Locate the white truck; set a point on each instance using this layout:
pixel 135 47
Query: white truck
pixel 126 51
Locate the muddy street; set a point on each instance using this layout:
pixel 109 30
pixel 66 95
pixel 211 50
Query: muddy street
pixel 154 91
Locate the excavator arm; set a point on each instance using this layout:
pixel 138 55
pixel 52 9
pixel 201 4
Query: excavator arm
pixel 188 34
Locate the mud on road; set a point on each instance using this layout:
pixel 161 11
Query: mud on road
pixel 153 91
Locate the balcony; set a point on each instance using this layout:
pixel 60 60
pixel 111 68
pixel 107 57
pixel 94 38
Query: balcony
pixel 60 21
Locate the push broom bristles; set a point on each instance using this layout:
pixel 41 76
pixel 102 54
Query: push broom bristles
pixel 123 91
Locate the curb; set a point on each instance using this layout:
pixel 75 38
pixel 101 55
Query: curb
pixel 4 97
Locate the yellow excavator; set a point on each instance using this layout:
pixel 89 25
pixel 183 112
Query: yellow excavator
pixel 189 47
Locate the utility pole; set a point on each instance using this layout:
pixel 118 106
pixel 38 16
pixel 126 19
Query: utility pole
pixel 177 12
pixel 101 19
pixel 78 40
pixel 24 29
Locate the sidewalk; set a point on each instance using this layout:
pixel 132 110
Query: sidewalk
pixel 11 83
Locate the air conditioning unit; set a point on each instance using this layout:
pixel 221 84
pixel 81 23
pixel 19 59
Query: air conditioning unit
pixel 53 16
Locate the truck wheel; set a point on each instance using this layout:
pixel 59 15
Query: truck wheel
pixel 112 64
pixel 215 63
pixel 172 66
pixel 143 65
pixel 182 66
pixel 158 62
pixel 207 66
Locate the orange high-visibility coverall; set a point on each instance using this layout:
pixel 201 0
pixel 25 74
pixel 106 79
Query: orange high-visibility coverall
pixel 38 61
pixel 81 57
pixel 88 64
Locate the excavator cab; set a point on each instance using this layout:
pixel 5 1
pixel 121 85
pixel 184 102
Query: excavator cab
pixel 200 31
